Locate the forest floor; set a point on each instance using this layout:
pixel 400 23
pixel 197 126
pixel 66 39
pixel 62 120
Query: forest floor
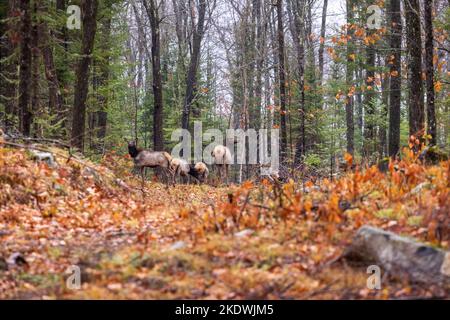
pixel 252 241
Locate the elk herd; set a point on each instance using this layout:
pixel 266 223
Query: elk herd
pixel 172 167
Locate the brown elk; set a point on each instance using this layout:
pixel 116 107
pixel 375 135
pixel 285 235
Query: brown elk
pixel 144 158
pixel 199 171
pixel 222 159
pixel 181 167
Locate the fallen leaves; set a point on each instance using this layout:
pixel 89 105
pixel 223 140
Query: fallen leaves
pixel 257 240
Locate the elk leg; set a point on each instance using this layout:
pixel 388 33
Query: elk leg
pixel 142 176
pixel 226 173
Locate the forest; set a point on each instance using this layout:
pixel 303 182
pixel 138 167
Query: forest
pixel 224 149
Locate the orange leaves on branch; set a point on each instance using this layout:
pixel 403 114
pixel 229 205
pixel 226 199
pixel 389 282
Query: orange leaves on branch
pixel 348 158
pixel 437 86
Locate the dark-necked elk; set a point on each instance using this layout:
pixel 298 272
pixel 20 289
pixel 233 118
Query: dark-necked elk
pixel 222 159
pixel 199 171
pixel 144 158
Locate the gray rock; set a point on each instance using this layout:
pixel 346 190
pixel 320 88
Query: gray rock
pixel 396 254
pixel 177 245
pixel 43 156
pixel 244 233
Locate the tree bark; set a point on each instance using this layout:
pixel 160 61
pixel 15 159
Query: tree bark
pixel 25 68
pixel 297 9
pixel 282 76
pixel 153 16
pixel 8 75
pixel 414 47
pixel 431 113
pixel 349 80
pixel 395 70
pixel 55 100
pixel 102 114
pixel 35 54
pixel 322 39
pixel 89 26
pixel 369 128
pixel 191 78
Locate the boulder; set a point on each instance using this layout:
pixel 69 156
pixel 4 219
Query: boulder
pixel 400 255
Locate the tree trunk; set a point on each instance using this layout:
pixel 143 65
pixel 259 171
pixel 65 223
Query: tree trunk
pixel 349 80
pixel 191 78
pixel 153 16
pixel 25 68
pixel 89 9
pixel 414 46
pixel 297 30
pixel 9 66
pixel 395 42
pixel 369 128
pixel 322 39
pixel 55 101
pixel 64 67
pixel 103 77
pixel 431 113
pixel 382 146
pixel 282 75
pixel 35 54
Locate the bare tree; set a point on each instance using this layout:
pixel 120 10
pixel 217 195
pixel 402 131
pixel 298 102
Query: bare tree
pixel 191 78
pixel 322 38
pixel 414 47
pixel 89 26
pixel 153 15
pixel 395 42
pixel 282 79
pixel 297 9
pixel 25 68
pixel 431 113
pixel 349 79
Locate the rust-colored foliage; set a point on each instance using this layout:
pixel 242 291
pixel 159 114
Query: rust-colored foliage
pixel 265 240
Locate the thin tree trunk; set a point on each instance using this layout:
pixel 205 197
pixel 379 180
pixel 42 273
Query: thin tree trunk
pixel 282 75
pixel 35 101
pixel 382 146
pixel 25 68
pixel 431 113
pixel 153 16
pixel 55 101
pixel 191 78
pixel 89 9
pixel 297 9
pixel 369 127
pixel 322 39
pixel 102 114
pixel 8 75
pixel 395 42
pixel 349 80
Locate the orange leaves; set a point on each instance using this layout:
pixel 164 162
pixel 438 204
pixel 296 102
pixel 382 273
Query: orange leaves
pixel 332 53
pixel 437 86
pixel 394 73
pixel 348 158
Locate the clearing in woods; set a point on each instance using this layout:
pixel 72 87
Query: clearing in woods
pixel 253 241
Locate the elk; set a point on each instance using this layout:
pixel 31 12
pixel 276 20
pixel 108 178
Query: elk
pixel 199 171
pixel 179 167
pixel 222 159
pixel 144 158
